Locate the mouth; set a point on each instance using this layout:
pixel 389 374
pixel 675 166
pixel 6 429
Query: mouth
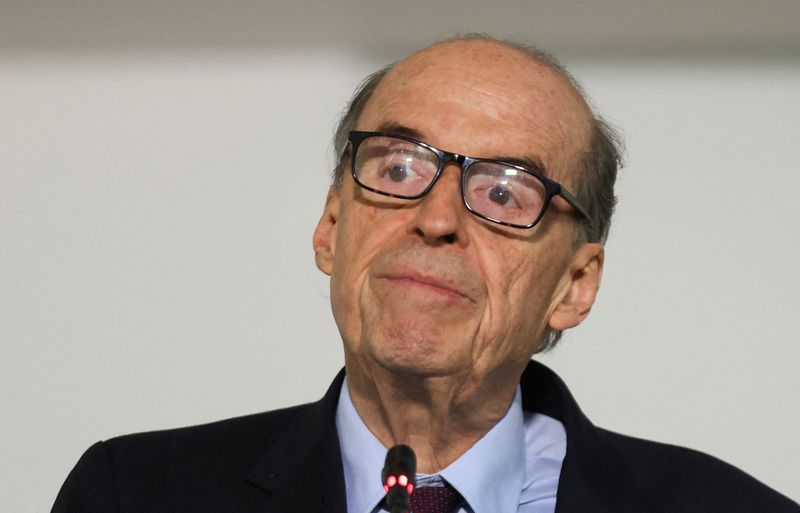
pixel 434 285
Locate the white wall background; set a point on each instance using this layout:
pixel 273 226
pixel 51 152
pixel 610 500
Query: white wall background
pixel 162 167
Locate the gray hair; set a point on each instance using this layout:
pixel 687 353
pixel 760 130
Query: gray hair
pixel 597 166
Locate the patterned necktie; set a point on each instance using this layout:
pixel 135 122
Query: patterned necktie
pixel 435 499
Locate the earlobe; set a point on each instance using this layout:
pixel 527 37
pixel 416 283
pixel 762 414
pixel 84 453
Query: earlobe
pixel 324 240
pixel 581 284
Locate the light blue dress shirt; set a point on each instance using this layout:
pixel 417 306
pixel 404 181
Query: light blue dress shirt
pixel 514 468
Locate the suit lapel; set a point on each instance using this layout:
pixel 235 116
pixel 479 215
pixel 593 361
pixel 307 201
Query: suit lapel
pixel 302 470
pixel 594 477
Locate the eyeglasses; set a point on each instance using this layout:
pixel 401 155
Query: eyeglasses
pixel 500 192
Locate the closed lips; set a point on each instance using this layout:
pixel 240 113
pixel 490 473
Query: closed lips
pixel 431 282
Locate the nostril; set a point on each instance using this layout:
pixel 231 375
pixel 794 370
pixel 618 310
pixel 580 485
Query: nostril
pixel 449 238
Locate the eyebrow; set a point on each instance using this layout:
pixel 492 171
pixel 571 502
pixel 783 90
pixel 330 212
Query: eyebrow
pixel 393 127
pixel 530 162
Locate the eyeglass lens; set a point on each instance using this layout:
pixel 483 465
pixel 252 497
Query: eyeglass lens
pixel 403 168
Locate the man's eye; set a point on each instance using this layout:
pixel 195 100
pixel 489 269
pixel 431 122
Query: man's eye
pixel 398 173
pixel 499 195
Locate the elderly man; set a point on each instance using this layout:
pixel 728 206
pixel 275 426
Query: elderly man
pixel 462 234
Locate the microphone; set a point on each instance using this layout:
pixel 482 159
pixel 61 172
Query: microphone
pixel 399 475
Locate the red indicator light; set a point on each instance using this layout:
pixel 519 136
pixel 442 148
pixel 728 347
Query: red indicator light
pixel 391 481
pixel 386 488
pixel 403 480
pixel 410 488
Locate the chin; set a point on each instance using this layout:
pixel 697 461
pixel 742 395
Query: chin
pixel 410 349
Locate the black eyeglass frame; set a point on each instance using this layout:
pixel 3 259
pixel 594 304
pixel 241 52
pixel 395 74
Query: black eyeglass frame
pixel 552 188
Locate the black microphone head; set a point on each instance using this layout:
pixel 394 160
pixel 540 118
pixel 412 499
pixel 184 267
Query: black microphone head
pixel 399 476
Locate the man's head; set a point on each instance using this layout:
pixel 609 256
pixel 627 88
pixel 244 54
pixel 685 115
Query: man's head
pixel 423 286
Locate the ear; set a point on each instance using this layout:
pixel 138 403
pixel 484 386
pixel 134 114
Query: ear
pixel 579 287
pixel 324 241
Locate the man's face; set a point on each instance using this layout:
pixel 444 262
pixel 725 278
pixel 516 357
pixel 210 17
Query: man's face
pixel 425 287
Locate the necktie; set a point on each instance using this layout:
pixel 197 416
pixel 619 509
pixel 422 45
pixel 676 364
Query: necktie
pixel 435 499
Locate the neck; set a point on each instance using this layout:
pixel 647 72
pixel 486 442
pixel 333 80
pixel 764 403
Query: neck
pixel 440 417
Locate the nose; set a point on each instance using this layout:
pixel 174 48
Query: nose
pixel 439 215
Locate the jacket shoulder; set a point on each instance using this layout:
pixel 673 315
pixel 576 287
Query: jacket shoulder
pixel 169 470
pixel 682 479
pixel 225 439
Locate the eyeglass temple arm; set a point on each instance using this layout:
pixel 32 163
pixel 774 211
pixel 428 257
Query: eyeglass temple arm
pixel 572 200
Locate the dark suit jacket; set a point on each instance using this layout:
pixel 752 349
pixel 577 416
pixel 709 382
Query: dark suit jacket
pixel 289 461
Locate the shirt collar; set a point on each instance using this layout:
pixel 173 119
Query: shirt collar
pixel 493 463
pixel 362 457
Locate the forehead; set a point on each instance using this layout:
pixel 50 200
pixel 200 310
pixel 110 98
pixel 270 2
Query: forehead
pixel 484 99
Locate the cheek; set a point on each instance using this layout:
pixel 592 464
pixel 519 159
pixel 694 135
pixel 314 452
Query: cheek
pixel 520 287
pixel 347 267
pixel 361 233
